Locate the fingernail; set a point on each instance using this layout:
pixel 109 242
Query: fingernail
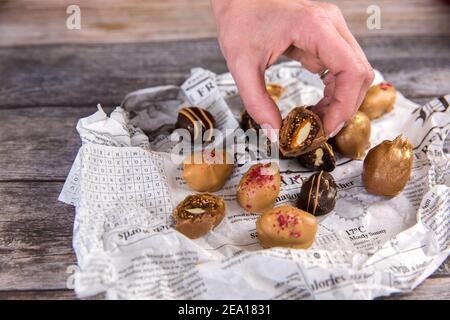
pixel 270 132
pixel 336 131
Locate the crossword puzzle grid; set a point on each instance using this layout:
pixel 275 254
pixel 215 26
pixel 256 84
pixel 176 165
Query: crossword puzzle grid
pixel 116 177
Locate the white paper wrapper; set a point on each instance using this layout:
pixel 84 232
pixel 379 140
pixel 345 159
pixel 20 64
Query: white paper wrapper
pixel 124 189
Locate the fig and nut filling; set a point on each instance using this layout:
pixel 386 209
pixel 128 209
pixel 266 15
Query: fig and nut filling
pixel 196 205
pixel 301 132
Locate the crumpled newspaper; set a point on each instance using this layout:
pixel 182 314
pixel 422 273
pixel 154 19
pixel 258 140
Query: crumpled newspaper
pixel 124 187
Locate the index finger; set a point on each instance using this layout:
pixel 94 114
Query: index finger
pixel 339 58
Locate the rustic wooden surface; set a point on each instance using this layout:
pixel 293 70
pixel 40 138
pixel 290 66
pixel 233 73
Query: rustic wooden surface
pixel 112 21
pixel 44 90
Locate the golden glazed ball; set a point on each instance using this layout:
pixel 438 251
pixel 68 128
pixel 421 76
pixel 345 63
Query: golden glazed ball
pixel 286 226
pixel 379 100
pixel 354 139
pixel 387 167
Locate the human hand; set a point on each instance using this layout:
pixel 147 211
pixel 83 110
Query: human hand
pixel 253 34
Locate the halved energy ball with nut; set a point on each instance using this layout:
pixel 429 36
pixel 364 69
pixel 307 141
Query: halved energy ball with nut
pixel 320 159
pixel 301 132
pixel 197 214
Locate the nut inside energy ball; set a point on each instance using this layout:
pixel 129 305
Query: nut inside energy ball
pixel 197 214
pixel 320 159
pixel 301 132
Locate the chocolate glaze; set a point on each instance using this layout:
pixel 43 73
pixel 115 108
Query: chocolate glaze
pixel 318 194
pixel 321 158
pixel 196 121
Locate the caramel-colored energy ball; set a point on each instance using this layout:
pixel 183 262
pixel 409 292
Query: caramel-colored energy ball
pixel 275 91
pixel 197 214
pixel 387 167
pixel 354 139
pixel 379 100
pixel 301 132
pixel 259 187
pixel 286 226
pixel 207 171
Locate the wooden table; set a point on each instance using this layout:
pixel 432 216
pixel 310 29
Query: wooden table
pixel 45 89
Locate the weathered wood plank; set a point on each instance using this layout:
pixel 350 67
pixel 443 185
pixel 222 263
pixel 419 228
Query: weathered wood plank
pixel 43 295
pixel 430 289
pixel 35 237
pixel 74 75
pixel 109 21
pixel 38 295
pixel 39 143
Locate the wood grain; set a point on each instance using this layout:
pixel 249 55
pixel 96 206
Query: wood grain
pixel 39 144
pixel 43 295
pixel 35 236
pixel 111 21
pixel 85 75
pixel 430 289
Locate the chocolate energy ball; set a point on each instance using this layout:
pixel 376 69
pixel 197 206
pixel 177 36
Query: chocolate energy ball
pixel 286 226
pixel 301 132
pixel 207 171
pixel 197 214
pixel 247 122
pixel 197 121
pixel 320 159
pixel 259 187
pixel 354 139
pixel 379 100
pixel 387 167
pixel 318 194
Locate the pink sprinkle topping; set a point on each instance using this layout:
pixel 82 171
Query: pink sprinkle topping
pixel 282 221
pixel 256 177
pixel 385 85
pixel 292 219
pixel 295 234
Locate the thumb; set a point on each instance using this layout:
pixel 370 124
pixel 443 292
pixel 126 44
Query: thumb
pixel 249 79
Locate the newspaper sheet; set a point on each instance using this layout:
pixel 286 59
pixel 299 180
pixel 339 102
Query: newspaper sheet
pixel 124 187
